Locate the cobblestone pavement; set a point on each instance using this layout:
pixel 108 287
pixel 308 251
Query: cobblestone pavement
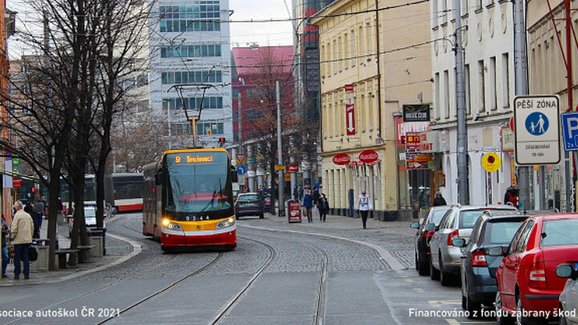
pixel 394 236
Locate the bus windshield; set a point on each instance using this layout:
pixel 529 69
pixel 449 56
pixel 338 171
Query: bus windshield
pixel 198 182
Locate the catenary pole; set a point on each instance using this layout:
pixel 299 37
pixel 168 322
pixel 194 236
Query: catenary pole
pixel 521 89
pixel 570 84
pixel 281 182
pixel 462 141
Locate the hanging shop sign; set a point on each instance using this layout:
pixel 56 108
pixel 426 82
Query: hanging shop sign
pixel 341 159
pixel 349 109
pixel 293 168
pixel 416 113
pixel 368 156
pixel 418 161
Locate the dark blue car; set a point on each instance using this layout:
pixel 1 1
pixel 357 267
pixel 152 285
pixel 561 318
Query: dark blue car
pixel 482 255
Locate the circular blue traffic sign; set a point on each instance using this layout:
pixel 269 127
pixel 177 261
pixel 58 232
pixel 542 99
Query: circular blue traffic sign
pixel 537 123
pixel 241 170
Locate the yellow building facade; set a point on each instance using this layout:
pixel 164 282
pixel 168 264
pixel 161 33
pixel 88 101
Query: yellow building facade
pixel 372 62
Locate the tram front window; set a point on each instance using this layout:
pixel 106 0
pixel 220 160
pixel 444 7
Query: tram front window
pixel 195 185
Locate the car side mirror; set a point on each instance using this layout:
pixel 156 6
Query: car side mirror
pixel 459 242
pixel 565 271
pixel 497 251
pixel 430 227
pixel 414 225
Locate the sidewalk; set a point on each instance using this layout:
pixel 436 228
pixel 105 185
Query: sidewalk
pixel 117 251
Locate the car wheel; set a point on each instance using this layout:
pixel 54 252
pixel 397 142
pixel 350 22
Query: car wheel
pixel 237 216
pixel 445 277
pixel 502 318
pixel 563 320
pixel 520 315
pixel 416 262
pixel 473 308
pixel 423 267
pixel 261 216
pixel 464 303
pixel 433 273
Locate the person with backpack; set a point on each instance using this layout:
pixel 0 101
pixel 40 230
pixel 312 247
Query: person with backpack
pixel 364 204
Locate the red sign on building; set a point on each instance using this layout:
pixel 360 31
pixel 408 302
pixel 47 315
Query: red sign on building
pixel 349 110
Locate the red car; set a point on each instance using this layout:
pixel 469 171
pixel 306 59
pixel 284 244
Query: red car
pixel 528 287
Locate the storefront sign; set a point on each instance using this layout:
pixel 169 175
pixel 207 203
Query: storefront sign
pixel 418 161
pixel 349 110
pixel 416 113
pixel 368 156
pixel 293 168
pixel 341 159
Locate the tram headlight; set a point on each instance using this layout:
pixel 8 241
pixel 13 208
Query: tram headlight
pixel 226 223
pixel 171 225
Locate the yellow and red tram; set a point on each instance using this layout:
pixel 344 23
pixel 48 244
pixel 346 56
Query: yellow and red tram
pixel 188 199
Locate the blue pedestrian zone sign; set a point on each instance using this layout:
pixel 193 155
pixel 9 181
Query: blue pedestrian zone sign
pixel 537 130
pixel 537 123
pixel 570 131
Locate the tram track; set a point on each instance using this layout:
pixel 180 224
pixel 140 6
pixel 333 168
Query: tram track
pixel 164 289
pixel 233 301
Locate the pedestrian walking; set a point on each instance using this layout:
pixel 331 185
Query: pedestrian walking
pixel 364 204
pixel 29 208
pixel 439 200
pixel 5 258
pixel 38 215
pixel 323 207
pixel 21 232
pixel 308 205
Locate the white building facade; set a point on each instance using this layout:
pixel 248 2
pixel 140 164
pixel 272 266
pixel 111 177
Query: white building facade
pixel 489 78
pixel 190 70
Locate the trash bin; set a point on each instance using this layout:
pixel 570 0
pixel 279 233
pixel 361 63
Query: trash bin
pixel 41 263
pixel 294 211
pixel 97 238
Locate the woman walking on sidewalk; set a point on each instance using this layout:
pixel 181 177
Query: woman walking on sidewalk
pixel 364 204
pixel 308 205
pixel 323 207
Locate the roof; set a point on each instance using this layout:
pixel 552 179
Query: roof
pixel 247 60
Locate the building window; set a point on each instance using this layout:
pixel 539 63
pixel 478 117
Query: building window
pixel 479 4
pixel 176 103
pixel 199 16
pixel 437 95
pixel 493 84
pixel 335 63
pixel 505 80
pixel 468 91
pixel 435 13
pixel 445 11
pixel 210 128
pixel 180 128
pixel 191 51
pixel 188 77
pixel 447 94
pixel 352 51
pixel 482 86
pixel 368 38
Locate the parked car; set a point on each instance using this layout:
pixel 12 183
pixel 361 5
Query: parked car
pixel 527 281
pixel 569 295
pixel 89 219
pixel 482 255
pixel 423 236
pixel 458 221
pixel 248 204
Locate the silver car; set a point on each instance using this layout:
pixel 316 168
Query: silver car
pixel 569 296
pixel 458 222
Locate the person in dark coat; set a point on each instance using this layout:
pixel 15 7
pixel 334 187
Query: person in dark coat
pixel 5 258
pixel 29 208
pixel 439 200
pixel 511 196
pixel 308 205
pixel 323 205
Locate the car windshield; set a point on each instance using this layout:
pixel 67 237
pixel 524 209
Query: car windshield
pixel 560 232
pixel 246 198
pixel 501 232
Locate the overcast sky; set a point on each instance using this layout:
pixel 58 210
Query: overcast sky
pixel 262 33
